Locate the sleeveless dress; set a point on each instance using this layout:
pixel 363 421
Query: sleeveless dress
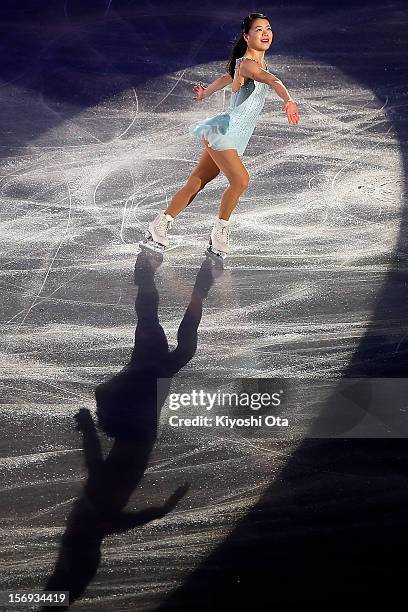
pixel 233 129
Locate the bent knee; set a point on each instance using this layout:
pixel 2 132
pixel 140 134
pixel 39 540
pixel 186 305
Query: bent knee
pixel 195 182
pixel 240 182
pixel 200 181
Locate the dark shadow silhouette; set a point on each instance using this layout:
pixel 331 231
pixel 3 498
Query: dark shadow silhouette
pixel 331 526
pixel 384 352
pixel 128 409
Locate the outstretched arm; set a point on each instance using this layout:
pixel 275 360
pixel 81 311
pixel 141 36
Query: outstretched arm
pixel 204 92
pixel 129 520
pixel 251 70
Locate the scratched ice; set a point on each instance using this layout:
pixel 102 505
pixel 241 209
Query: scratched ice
pixel 312 239
pixel 322 209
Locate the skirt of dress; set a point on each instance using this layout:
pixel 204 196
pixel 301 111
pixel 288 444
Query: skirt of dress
pixel 216 130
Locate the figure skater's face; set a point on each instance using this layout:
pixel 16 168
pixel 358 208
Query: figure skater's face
pixel 260 35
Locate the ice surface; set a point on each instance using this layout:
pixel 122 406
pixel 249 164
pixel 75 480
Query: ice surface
pixel 311 279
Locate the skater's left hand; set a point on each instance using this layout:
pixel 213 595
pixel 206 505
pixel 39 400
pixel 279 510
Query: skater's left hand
pixel 174 499
pixel 291 110
pixel 200 92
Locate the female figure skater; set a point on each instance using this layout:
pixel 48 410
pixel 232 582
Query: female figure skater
pixel 226 135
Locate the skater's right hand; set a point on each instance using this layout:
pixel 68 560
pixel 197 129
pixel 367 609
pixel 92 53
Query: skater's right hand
pixel 83 419
pixel 200 92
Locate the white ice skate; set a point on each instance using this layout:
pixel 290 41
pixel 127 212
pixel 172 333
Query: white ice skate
pixel 156 235
pixel 218 245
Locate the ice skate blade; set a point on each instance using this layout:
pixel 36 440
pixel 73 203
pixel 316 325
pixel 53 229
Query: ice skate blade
pixel 215 256
pixel 148 245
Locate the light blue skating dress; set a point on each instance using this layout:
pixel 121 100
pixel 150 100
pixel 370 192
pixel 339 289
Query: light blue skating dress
pixel 233 129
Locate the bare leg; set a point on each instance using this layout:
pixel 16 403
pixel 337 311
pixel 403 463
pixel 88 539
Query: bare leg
pixel 205 171
pixel 230 164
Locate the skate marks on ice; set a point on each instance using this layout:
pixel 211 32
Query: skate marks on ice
pixel 321 213
pixel 128 410
pixel 317 530
pixel 311 240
